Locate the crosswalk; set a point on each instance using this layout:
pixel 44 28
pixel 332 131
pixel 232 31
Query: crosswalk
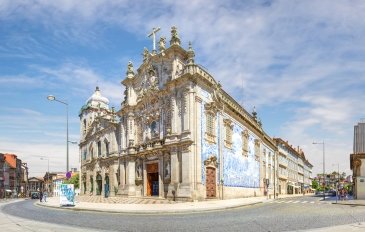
pixel 283 201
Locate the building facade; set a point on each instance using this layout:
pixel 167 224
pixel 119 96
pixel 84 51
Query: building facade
pixel 294 170
pixel 357 161
pixel 178 135
pixel 35 184
pixel 2 179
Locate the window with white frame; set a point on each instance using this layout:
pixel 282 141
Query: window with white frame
pixel 210 127
pixel 228 128
pixel 245 142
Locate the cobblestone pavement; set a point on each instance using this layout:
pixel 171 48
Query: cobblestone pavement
pixel 123 200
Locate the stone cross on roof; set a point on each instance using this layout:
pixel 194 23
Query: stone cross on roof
pixel 153 34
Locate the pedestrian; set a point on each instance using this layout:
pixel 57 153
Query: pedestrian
pixel 40 196
pixel 45 196
pixel 342 194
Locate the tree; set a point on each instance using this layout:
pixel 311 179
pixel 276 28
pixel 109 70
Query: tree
pixel 315 184
pixel 74 180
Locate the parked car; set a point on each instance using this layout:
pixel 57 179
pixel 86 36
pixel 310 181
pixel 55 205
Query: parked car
pixel 34 195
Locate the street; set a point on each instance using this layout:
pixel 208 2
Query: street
pixel 299 213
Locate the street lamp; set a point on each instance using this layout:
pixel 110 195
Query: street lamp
pixel 45 158
pixel 53 98
pixel 338 181
pixel 324 165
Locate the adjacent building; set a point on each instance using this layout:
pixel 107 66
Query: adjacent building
pixel 2 178
pixel 294 170
pixel 35 184
pixel 357 161
pixel 177 135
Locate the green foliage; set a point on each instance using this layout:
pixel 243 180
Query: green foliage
pixel 75 180
pixel 315 184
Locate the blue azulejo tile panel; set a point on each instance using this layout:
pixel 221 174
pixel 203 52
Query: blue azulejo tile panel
pixel 238 170
pixel 208 149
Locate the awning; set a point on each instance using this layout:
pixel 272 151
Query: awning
pixel 8 190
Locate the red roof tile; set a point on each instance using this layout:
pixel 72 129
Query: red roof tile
pixel 11 160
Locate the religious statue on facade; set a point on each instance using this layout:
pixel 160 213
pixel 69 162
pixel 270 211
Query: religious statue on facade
pixel 162 44
pixel 167 169
pixel 153 80
pixel 139 171
pixel 174 36
pixel 130 68
pixel 145 54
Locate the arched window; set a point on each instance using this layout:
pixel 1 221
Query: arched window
pixel 154 129
pixel 84 126
pixel 99 149
pixel 106 147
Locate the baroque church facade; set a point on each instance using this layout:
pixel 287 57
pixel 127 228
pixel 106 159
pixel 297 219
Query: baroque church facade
pixel 178 135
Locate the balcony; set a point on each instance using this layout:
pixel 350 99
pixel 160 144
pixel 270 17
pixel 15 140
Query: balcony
pixel 283 176
pixel 283 162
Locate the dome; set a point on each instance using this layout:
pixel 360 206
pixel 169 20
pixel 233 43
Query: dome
pixel 98 100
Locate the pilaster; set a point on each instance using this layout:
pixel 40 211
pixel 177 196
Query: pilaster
pixel 174 174
pixel 130 189
pixel 186 186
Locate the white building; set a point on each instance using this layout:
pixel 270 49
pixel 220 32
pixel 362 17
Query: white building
pixel 294 170
pixel 357 161
pixel 178 134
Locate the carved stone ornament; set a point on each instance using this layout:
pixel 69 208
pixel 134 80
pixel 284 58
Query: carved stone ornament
pixel 167 169
pixel 162 44
pixel 130 71
pixel 357 163
pixel 146 53
pixel 211 161
pixel 175 40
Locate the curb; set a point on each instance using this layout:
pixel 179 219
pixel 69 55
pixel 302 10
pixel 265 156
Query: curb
pixel 348 204
pixel 149 212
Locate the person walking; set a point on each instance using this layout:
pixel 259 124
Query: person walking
pixel 45 196
pixel 40 196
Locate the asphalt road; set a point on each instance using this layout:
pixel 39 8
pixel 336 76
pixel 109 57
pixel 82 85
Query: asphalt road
pixel 280 215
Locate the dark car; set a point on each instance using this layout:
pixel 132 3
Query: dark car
pixel 34 195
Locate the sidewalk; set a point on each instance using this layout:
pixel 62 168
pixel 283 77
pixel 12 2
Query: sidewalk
pixel 180 207
pixel 349 201
pixel 15 224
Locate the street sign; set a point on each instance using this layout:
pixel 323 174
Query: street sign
pixel 68 175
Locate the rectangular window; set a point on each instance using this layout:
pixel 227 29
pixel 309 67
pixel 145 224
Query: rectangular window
pixel 210 124
pixel 228 133
pixel 210 127
pixel 107 148
pixel 99 149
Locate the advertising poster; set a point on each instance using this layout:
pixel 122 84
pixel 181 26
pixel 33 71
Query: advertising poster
pixel 67 194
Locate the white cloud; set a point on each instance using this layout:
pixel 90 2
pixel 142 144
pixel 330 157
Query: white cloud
pixel 306 53
pixel 31 152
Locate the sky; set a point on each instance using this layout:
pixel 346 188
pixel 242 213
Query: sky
pixel 299 63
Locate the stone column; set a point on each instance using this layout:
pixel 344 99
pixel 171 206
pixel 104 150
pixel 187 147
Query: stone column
pixel 174 162
pixel 198 138
pixel 131 177
pixel 160 177
pixel 122 178
pixel 186 186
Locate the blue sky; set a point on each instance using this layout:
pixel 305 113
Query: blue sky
pixel 301 63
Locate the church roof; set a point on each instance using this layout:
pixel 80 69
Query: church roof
pixel 96 100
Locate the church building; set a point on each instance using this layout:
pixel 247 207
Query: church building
pixel 177 135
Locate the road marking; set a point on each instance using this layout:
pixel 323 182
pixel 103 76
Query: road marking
pixel 296 202
pixel 312 202
pixel 304 202
pixel 288 201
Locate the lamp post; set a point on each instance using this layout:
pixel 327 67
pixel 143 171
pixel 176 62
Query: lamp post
pixel 45 158
pixel 53 98
pixel 338 180
pixel 324 166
